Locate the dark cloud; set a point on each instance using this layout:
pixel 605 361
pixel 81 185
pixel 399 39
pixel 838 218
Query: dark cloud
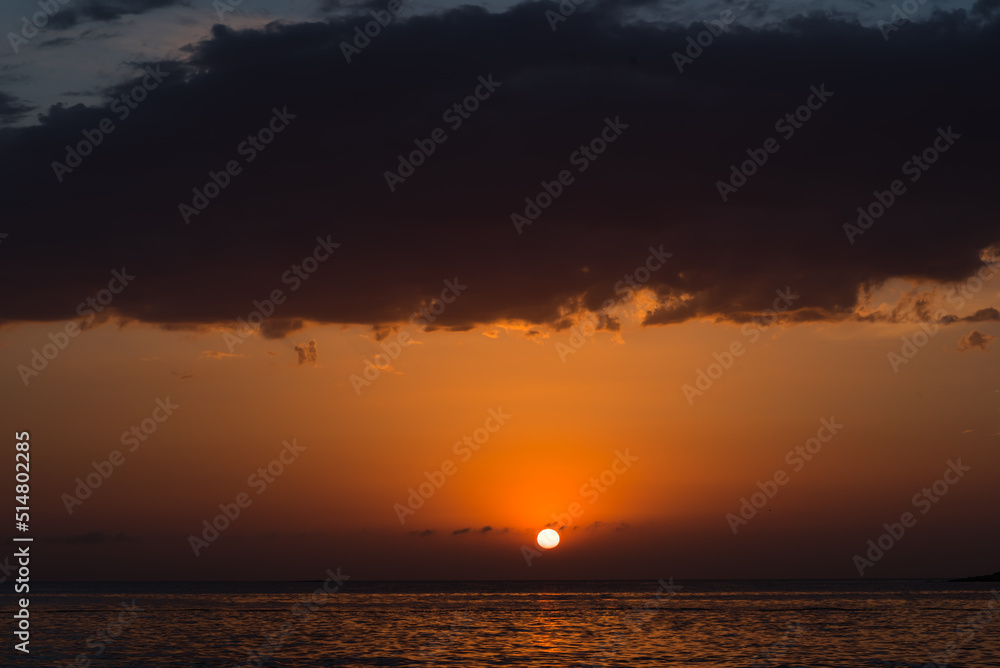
pixel 983 315
pixel 975 340
pixel 104 10
pixel 985 7
pixel 458 532
pixel 279 328
pixel 89 33
pixel 58 41
pixel 322 177
pixel 12 109
pixel 307 352
pixel 988 314
pixel 486 529
pixel 914 307
pixel 354 6
pixel 382 332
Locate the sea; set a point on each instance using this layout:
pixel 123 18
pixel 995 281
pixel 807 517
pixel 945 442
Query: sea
pixel 725 624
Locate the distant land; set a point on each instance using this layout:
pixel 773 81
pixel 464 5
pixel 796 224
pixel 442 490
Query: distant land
pixel 981 578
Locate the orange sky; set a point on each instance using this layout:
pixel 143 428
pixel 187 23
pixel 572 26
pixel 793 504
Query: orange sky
pixel 663 515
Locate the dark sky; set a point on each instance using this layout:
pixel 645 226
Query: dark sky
pixel 657 183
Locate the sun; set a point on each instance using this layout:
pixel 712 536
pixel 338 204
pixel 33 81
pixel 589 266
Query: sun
pixel 548 538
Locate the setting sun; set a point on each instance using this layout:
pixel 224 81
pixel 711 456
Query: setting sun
pixel 548 538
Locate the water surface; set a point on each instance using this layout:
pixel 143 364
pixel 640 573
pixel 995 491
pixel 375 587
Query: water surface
pixel 725 624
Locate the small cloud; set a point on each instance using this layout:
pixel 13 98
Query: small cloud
pixel 279 328
pixel 383 331
pixel 424 533
pixel 967 431
pixel 975 340
pixel 485 529
pixel 90 34
pixel 217 355
pixel 12 109
pixel 383 368
pixel 307 352
pixel 179 326
pixel 983 315
pixel 58 41
pixel 461 531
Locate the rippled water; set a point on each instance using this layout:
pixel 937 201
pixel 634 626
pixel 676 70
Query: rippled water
pixel 706 623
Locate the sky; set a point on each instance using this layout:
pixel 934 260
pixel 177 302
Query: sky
pixel 279 298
